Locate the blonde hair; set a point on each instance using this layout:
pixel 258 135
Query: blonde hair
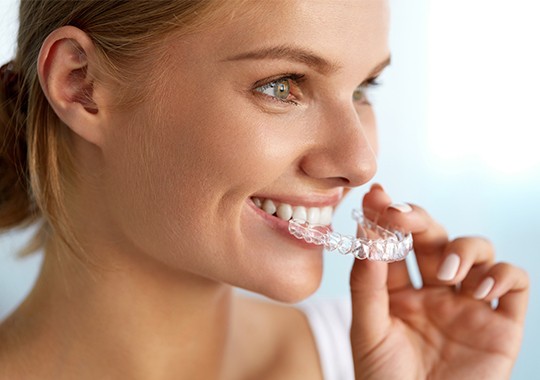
pixel 36 165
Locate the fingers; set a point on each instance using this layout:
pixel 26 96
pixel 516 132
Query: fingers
pixel 378 207
pixel 469 261
pixel 429 237
pixel 427 233
pixel 375 203
pixel 508 284
pixel 398 276
pixel 370 304
pixel 459 256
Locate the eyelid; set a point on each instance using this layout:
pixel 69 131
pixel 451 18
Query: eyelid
pixel 371 82
pixel 292 76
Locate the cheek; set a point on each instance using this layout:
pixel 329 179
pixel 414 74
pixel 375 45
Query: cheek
pixel 179 186
pixel 228 145
pixel 192 166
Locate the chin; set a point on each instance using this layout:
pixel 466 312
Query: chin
pixel 291 297
pixel 289 287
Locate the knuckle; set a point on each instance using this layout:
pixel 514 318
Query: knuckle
pixel 473 246
pixel 502 267
pixel 488 244
pixel 506 270
pixel 524 275
pixel 526 278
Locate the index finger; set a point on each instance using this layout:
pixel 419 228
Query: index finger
pixel 427 233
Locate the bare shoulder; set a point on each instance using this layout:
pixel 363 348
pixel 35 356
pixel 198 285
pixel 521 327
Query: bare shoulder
pixel 282 335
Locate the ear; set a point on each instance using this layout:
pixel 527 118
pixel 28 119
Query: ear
pixel 65 65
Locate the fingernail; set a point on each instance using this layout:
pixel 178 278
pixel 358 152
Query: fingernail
pixel 485 287
pixel 376 186
pixel 449 268
pixel 401 207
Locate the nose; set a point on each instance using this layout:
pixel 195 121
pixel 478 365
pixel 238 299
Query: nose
pixel 343 152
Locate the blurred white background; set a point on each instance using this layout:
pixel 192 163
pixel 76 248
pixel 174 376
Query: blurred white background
pixel 459 128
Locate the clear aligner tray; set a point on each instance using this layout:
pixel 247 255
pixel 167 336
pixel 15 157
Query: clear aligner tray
pixel 373 242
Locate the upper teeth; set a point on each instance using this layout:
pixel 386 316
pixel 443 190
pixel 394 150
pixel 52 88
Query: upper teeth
pixel 284 211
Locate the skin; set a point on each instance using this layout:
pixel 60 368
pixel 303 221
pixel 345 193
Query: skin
pixel 163 205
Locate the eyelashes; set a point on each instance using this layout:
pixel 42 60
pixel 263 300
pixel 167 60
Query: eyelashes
pixel 287 89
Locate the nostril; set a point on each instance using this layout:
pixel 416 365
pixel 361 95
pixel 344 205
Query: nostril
pixel 342 181
pixel 337 181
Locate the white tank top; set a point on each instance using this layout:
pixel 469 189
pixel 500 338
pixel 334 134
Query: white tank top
pixel 330 322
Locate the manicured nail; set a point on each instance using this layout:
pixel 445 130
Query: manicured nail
pixel 401 207
pixel 449 268
pixel 484 288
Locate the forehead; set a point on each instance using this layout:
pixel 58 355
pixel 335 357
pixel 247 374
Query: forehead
pixel 347 32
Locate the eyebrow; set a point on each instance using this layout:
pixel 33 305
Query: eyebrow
pixel 290 53
pixel 380 67
pixel 300 55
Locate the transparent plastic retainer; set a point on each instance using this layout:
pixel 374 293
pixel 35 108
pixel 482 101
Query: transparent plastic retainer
pixel 373 242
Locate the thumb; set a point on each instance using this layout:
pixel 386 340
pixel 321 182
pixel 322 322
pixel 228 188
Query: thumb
pixel 370 305
pixel 369 290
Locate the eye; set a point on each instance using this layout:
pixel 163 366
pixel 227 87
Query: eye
pixel 360 94
pixel 280 89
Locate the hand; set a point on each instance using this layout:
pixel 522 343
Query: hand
pixel 448 328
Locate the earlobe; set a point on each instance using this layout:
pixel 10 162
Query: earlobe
pixel 64 64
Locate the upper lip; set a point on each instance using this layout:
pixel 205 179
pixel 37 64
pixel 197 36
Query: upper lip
pixel 310 200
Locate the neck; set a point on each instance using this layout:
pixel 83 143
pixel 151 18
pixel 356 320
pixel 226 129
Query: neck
pixel 141 320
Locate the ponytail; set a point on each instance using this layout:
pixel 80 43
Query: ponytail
pixel 37 168
pixel 17 208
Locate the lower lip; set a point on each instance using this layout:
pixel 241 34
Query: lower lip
pixel 280 225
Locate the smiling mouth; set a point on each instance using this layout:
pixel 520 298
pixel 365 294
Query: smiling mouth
pixel 285 211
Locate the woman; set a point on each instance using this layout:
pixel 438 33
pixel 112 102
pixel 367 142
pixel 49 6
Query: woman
pixel 164 144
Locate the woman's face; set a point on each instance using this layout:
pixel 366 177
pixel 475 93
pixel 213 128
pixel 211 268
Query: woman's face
pixel 266 105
